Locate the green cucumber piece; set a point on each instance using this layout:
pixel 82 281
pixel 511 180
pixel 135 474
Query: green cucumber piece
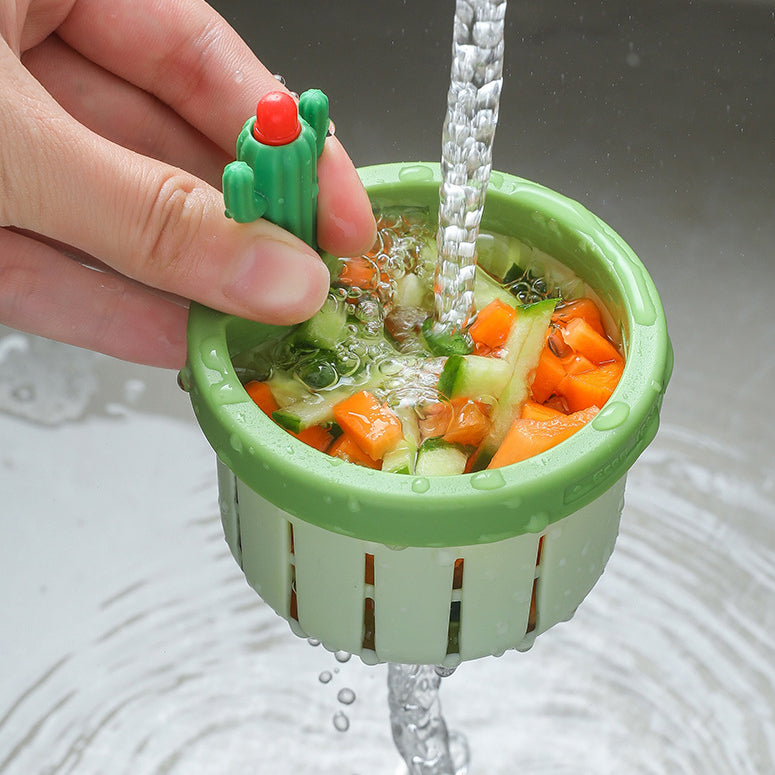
pixel 324 328
pixel 319 372
pixel 301 415
pixel 315 408
pixel 437 457
pixel 444 342
pixel 474 376
pixel 286 389
pixel 400 459
pixel 496 253
pixel 409 424
pixel 487 289
pixel 522 350
pixel 410 291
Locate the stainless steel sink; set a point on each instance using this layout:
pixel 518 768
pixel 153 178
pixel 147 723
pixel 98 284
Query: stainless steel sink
pixel 129 642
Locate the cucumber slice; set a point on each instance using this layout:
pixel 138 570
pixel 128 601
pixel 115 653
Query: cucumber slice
pixel 317 408
pixel 522 350
pixel 437 457
pixel 324 328
pixel 410 291
pixel 496 253
pixel 444 342
pixel 285 389
pixel 400 460
pixel 487 289
pixel 301 415
pixel 409 425
pixel 474 376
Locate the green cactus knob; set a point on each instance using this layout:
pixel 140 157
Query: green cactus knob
pixel 275 174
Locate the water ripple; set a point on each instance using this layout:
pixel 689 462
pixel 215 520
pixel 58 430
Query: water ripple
pixel 667 669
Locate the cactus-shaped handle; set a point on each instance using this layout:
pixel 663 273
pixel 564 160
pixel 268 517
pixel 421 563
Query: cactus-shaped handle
pixel 275 174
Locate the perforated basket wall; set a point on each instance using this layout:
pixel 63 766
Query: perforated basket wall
pixel 417 605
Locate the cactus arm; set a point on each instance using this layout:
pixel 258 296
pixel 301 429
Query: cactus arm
pixel 243 203
pixel 313 108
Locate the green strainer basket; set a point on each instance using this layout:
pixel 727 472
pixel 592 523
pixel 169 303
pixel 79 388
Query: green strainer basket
pixel 436 570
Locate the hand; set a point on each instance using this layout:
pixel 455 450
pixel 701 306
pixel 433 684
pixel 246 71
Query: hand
pixel 117 118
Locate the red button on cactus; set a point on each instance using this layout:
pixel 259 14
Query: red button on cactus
pixel 277 119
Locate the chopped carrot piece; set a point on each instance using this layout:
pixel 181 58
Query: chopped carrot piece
pixel 359 272
pixel 548 375
pixel 558 403
pixel 435 419
pixel 345 448
pixel 579 335
pixel 591 388
pixel 374 427
pixel 492 324
pixel 470 422
pixel 261 394
pixel 526 438
pixel 576 364
pixel 532 410
pixel 316 436
pixel 583 308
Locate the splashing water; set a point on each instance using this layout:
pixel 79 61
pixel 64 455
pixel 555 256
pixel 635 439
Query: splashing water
pixel 419 730
pixel 466 158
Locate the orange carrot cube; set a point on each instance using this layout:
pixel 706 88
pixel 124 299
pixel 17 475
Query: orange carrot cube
pixel 261 394
pixel 374 427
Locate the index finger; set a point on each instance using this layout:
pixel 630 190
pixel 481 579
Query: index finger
pixel 189 57
pixel 181 51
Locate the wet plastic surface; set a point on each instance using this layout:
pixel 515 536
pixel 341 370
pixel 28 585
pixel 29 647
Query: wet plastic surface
pixel 129 639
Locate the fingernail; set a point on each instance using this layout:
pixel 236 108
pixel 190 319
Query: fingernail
pixel 277 283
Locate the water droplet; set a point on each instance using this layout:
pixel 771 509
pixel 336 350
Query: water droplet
pixel 184 379
pixel 236 442
pixel 415 173
pixel 341 722
pixel 208 351
pixel 227 393
pixel 325 677
pixel 496 179
pixel 346 696
pixel 537 522
pixel 612 415
pixel 353 505
pixel 444 672
pixel 342 656
pixel 420 484
pixel 313 641
pixel 488 480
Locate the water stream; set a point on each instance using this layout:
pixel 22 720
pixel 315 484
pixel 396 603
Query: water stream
pixel 466 158
pixel 419 730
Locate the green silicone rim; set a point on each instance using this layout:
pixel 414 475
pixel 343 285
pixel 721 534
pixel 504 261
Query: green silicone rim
pixel 400 510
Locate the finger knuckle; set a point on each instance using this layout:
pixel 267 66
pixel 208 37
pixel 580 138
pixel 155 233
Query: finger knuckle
pixel 169 224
